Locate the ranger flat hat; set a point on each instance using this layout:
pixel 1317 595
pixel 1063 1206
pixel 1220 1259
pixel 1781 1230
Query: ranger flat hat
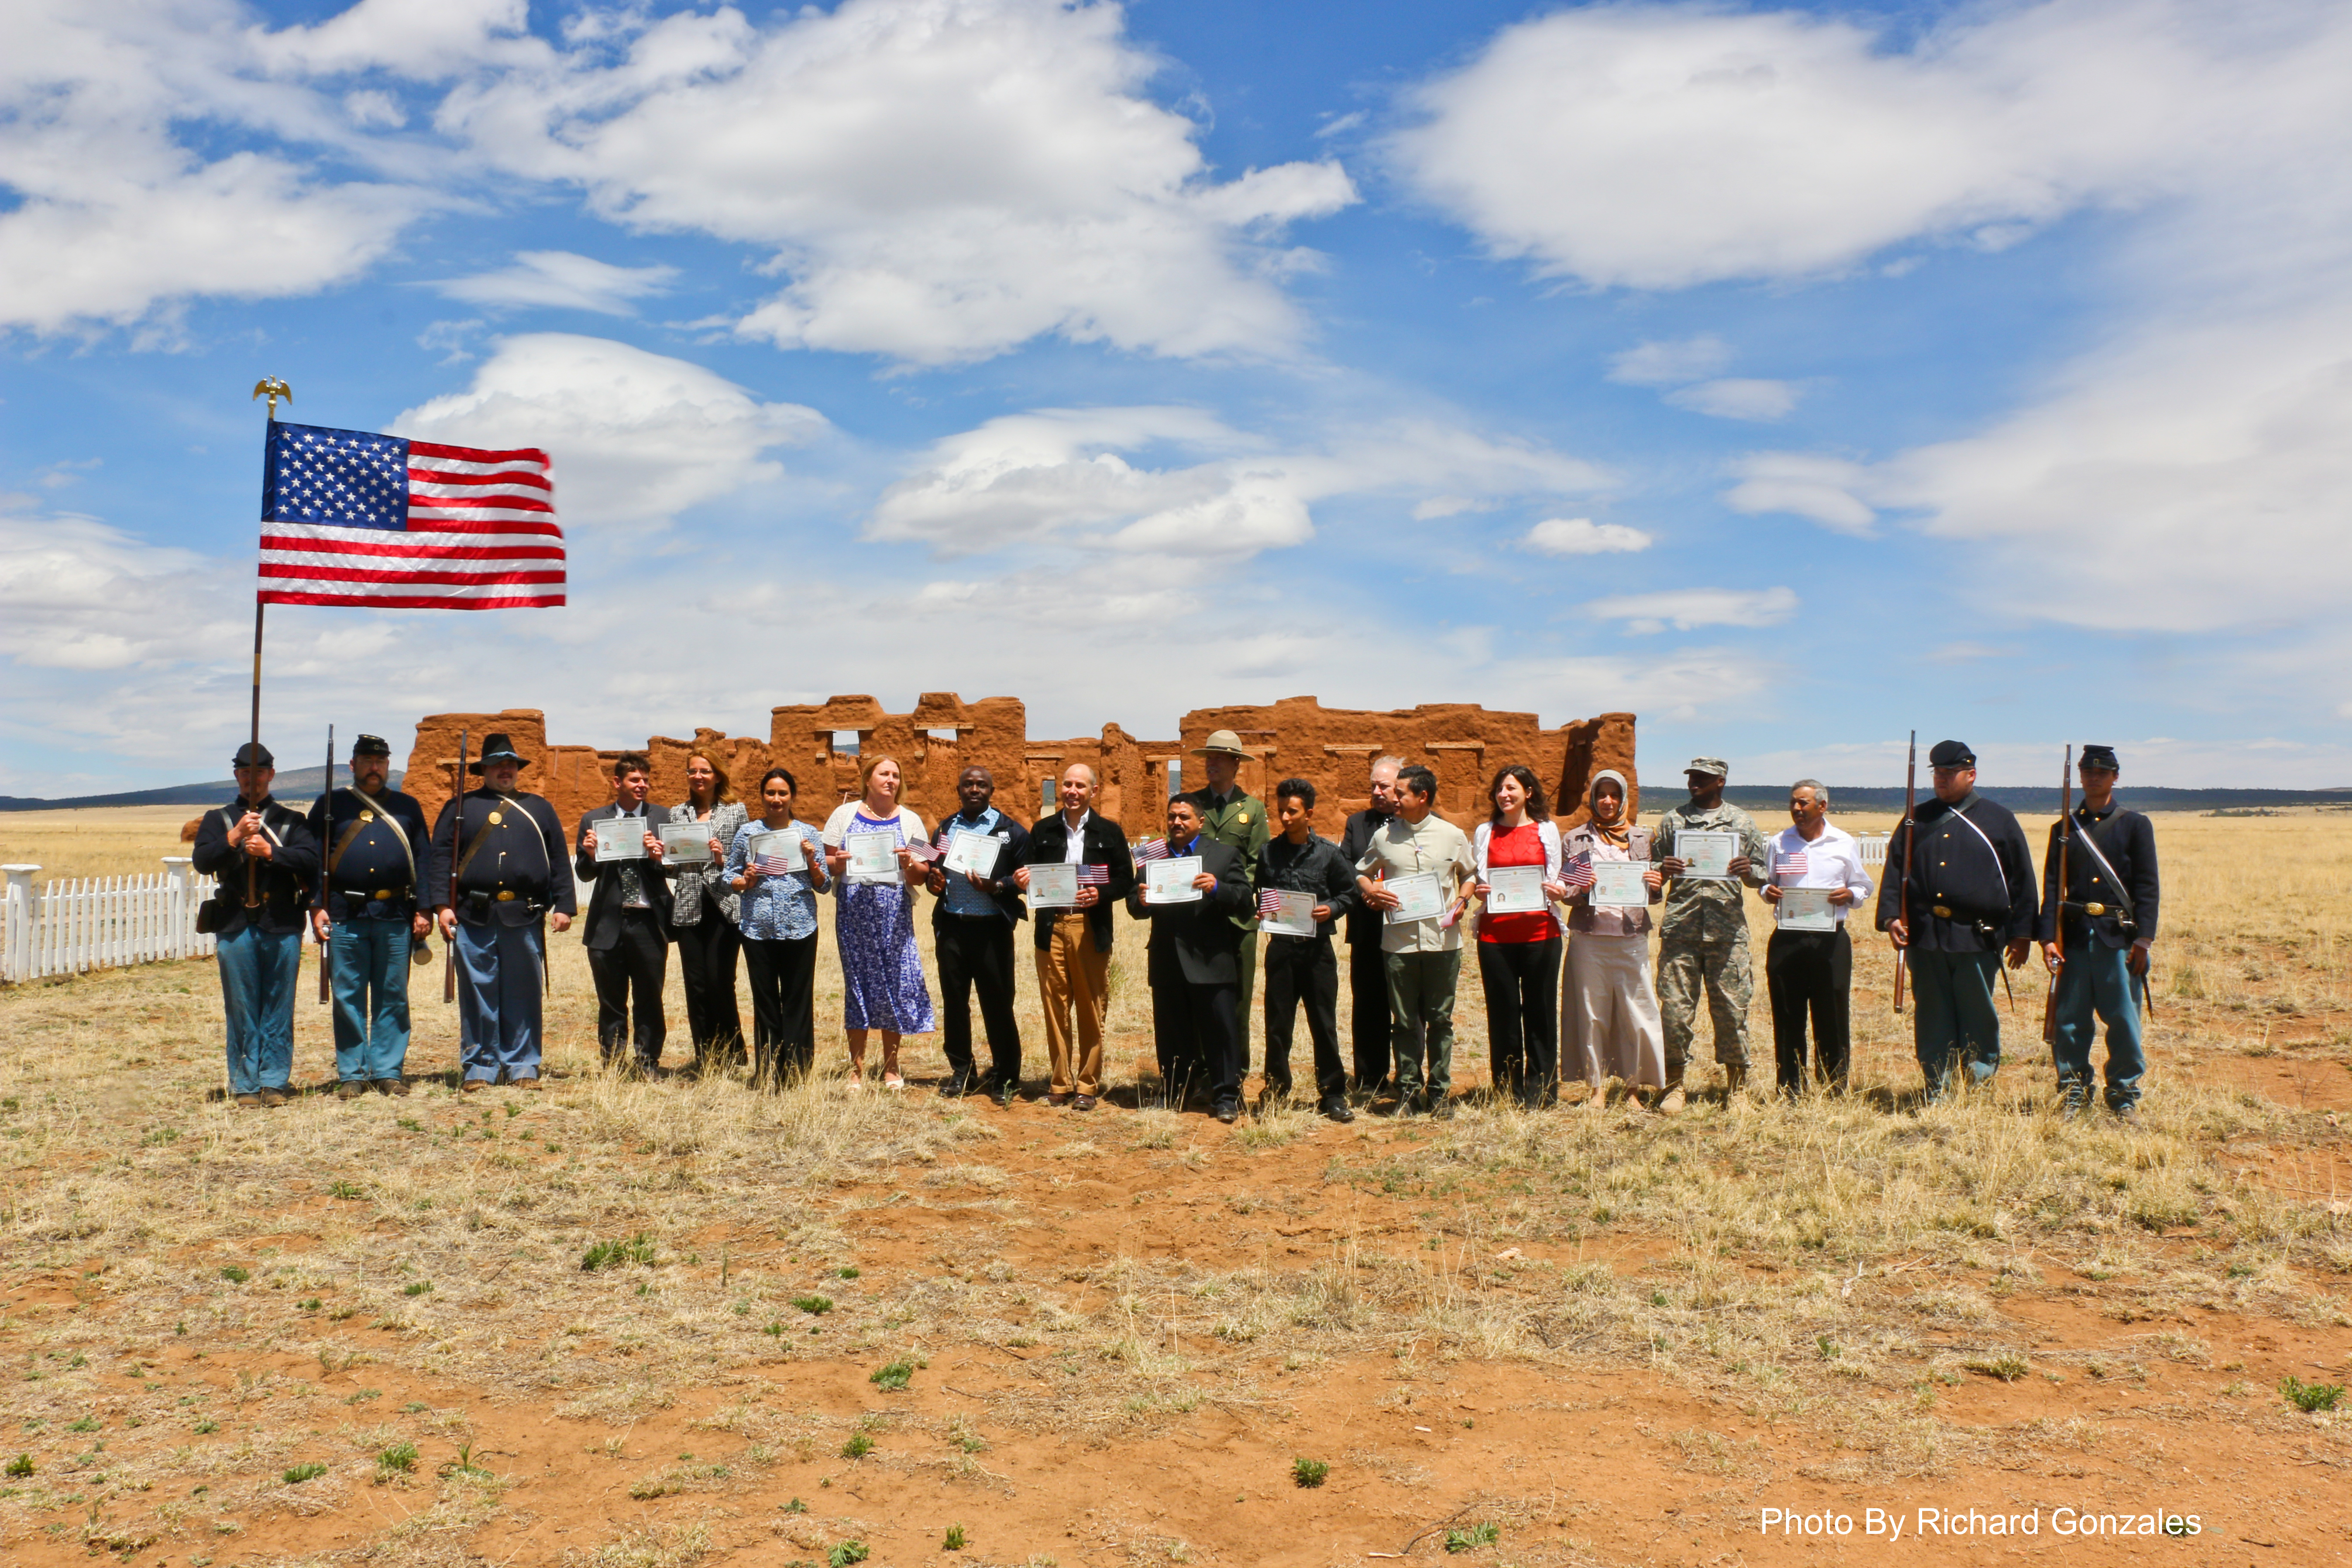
pixel 496 748
pixel 253 754
pixel 2101 757
pixel 1714 766
pixel 1220 743
pixel 370 746
pixel 1951 755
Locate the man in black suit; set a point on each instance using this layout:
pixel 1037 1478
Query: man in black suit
pixel 627 933
pixel 1368 976
pixel 1074 944
pixel 1195 968
pixel 971 932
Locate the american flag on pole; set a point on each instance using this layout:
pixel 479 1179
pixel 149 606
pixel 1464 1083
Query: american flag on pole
pixel 351 517
pixel 1092 875
pixel 1151 849
pixel 1795 865
pixel 1577 871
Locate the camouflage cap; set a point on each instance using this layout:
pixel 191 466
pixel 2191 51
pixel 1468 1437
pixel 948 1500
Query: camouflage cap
pixel 1715 765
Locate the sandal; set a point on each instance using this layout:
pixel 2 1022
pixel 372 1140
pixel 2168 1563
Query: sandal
pixel 892 1080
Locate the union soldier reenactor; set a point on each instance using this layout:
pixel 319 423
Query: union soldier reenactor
pixel 1703 933
pixel 267 862
pixel 1970 894
pixel 1233 816
pixel 2110 909
pixel 368 919
pixel 511 875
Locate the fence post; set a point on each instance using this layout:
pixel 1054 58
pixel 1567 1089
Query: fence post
pixel 17 959
pixel 179 868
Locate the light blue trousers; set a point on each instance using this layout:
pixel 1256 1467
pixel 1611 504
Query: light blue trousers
pixel 1955 1016
pixel 370 969
pixel 2097 984
pixel 499 990
pixel 257 972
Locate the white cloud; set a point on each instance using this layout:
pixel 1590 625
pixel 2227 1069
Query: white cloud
pixel 560 280
pixel 1670 363
pixel 1685 608
pixel 1826 490
pixel 1583 536
pixel 1738 398
pixel 939 180
pixel 424 41
pixel 634 437
pixel 77 595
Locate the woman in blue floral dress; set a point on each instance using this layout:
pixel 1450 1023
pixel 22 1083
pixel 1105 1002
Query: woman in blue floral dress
pixel 874 922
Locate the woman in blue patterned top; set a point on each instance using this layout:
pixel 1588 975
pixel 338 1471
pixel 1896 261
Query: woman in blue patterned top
pixel 881 974
pixel 777 912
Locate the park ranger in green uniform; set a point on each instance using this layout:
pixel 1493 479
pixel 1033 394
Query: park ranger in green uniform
pixel 1703 938
pixel 1230 815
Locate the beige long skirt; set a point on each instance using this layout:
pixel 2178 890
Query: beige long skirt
pixel 1609 1013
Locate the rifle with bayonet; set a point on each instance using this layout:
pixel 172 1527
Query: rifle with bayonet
pixel 1903 875
pixel 457 844
pixel 2058 899
pixel 326 838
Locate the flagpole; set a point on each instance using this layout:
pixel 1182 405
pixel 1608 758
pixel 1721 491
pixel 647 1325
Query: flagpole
pixel 273 388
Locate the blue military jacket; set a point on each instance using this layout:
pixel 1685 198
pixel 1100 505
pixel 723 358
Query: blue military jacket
pixel 2127 841
pixel 271 894
pixel 373 847
pixel 511 867
pixel 1972 886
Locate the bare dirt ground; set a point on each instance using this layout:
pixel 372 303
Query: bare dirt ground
pixel 836 1322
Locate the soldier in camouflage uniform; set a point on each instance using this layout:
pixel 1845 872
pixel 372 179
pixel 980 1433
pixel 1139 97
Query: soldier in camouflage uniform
pixel 1703 937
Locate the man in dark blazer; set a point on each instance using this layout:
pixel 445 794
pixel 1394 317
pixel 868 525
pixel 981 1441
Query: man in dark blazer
pixel 1195 968
pixel 1368 976
pixel 2109 907
pixel 627 932
pixel 972 931
pixel 1074 944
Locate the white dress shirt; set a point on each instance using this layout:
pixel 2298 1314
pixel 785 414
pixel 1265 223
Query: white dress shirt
pixel 1073 853
pixel 1832 860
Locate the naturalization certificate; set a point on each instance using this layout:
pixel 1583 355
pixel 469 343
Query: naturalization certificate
pixel 973 852
pixel 1805 909
pixel 1419 898
pixel 620 839
pixel 1618 885
pixel 782 848
pixel 1170 881
pixel 1707 856
pixel 1515 890
pixel 685 843
pixel 1295 917
pixel 873 856
pixel 1053 886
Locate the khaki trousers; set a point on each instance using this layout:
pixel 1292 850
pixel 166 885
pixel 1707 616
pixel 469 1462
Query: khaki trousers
pixel 1069 971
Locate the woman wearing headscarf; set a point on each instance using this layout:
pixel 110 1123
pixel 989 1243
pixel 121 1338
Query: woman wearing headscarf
pixel 1609 1007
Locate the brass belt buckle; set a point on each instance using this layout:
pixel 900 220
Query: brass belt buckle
pixel 506 895
pixel 1942 913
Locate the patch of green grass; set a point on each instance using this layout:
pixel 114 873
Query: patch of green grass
pixel 2009 1367
pixel 22 1464
pixel 235 1274
pixel 845 1554
pixel 296 1475
pixel 619 1253
pixel 846 1273
pixel 342 1189
pixel 417 1287
pixel 1309 1472
pixel 2310 1396
pixel 796 1506
pixel 400 1458
pixel 892 1378
pixel 858 1446
pixel 1470 1540
pixel 953 1540
pixel 87 1423
pixel 814 1306
pixel 205 1427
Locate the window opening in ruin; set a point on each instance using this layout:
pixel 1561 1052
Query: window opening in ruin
pixel 844 743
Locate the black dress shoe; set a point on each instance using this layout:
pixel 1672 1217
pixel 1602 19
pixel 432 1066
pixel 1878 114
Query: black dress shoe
pixel 1337 1111
pixel 956 1087
pixel 1228 1111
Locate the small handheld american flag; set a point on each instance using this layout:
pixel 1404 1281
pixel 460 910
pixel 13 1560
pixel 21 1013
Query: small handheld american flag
pixel 1795 865
pixel 1577 870
pixel 1093 876
pixel 770 864
pixel 1269 903
pixel 926 851
pixel 1151 849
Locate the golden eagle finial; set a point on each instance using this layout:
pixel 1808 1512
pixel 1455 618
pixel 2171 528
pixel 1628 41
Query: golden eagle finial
pixel 272 388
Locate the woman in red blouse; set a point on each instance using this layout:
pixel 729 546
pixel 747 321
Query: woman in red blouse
pixel 1519 949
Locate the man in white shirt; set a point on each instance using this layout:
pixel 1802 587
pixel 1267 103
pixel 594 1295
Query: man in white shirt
pixel 1813 971
pixel 1422 956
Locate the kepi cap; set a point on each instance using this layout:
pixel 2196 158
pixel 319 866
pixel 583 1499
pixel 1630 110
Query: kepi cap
pixel 496 747
pixel 370 746
pixel 2101 757
pixel 253 754
pixel 1220 743
pixel 1951 755
pixel 1715 766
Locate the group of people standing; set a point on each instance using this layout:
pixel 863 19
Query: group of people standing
pixel 1568 981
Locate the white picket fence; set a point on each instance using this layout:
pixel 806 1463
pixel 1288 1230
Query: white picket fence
pixel 1873 849
pixel 78 924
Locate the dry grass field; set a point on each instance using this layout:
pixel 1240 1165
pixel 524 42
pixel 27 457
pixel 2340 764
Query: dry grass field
pixel 826 1328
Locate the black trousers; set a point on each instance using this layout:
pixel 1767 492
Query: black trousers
pixel 1521 979
pixel 1304 969
pixel 635 964
pixel 1368 1000
pixel 1810 971
pixel 783 974
pixel 1194 1034
pixel 975 954
pixel 706 963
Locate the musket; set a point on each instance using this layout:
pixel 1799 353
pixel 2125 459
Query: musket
pixel 326 838
pixel 457 842
pixel 2058 899
pixel 1903 876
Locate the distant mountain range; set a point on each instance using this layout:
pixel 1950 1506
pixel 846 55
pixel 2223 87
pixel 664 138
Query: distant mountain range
pixel 292 784
pixel 2042 801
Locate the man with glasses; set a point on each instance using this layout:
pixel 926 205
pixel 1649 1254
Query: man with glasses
pixel 1810 971
pixel 1971 895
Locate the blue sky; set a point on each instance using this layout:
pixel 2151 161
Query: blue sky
pixel 1792 376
